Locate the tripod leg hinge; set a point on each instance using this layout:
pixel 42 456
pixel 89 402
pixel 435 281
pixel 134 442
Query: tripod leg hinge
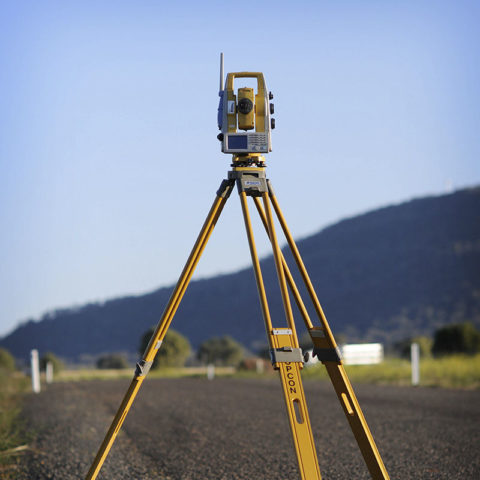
pixel 328 354
pixel 142 368
pixel 270 188
pixel 226 188
pixel 286 354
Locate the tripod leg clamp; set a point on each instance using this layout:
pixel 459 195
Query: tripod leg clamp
pixel 286 354
pixel 226 188
pixel 142 368
pixel 327 354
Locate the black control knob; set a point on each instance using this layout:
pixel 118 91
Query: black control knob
pixel 272 123
pixel 270 95
pixel 272 109
pixel 220 137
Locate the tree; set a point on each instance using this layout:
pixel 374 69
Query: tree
pixel 115 361
pixel 7 362
pixel 173 352
pixel 57 364
pixel 424 343
pixel 456 338
pixel 221 351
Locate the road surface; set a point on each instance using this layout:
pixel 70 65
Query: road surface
pixel 238 429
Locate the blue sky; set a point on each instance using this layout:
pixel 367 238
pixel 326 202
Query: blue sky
pixel 108 156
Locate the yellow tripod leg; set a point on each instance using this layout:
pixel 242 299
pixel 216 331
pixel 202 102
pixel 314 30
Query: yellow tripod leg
pixel 327 351
pixel 289 363
pixel 287 359
pixel 144 365
pixel 288 275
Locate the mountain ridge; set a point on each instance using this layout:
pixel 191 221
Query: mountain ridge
pixel 382 275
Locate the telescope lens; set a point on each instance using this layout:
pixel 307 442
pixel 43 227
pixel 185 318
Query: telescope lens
pixel 245 106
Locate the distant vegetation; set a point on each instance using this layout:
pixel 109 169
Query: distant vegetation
pixel 174 351
pixel 50 357
pixel 7 362
pixel 451 359
pixel 403 347
pixel 454 371
pixel 221 351
pixel 12 385
pixel 457 338
pixel 114 361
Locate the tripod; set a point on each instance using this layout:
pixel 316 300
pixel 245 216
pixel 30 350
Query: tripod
pixel 248 173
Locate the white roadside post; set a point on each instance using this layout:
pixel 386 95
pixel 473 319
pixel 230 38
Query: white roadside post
pixel 415 359
pixel 35 367
pixel 49 372
pixel 260 366
pixel 211 371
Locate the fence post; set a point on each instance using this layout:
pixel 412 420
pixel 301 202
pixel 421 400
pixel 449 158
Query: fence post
pixel 260 366
pixel 35 368
pixel 49 372
pixel 210 371
pixel 415 359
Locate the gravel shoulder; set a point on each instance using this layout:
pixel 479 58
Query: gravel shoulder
pixel 238 429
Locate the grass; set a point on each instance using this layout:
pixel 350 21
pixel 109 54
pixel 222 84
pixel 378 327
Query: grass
pixel 115 374
pixel 12 386
pixel 457 371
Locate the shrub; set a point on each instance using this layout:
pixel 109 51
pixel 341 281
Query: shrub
pixel 221 351
pixel 456 338
pixel 424 343
pixel 174 351
pixel 57 364
pixel 7 362
pixel 112 361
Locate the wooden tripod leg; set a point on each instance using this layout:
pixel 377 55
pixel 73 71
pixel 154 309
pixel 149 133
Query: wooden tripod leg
pixel 287 360
pixel 149 355
pixel 327 351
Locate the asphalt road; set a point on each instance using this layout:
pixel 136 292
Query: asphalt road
pixel 238 429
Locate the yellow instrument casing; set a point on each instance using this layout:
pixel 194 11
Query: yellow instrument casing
pixel 246 109
pixel 234 115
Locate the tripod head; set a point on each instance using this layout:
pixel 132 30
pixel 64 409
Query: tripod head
pixel 244 118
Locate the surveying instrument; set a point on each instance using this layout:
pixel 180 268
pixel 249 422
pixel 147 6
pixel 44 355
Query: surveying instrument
pixel 244 118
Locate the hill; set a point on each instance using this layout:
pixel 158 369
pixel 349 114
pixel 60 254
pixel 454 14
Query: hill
pixel 385 275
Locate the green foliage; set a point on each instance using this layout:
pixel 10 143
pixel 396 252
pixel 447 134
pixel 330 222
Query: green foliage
pixel 57 364
pixel 174 351
pixel 114 361
pixel 221 351
pixel 13 385
pixel 455 371
pixel 456 338
pixel 424 343
pixel 7 362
